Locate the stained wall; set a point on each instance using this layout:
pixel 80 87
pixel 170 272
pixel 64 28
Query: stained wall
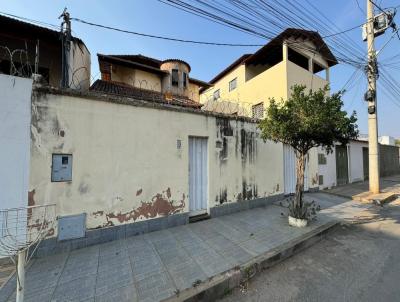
pixel 131 163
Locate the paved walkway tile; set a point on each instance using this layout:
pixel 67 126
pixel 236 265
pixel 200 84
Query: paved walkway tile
pixel 7 269
pixel 157 265
pixel 119 294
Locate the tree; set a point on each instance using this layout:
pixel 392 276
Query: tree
pixel 306 120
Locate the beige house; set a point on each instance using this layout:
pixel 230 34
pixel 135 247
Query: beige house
pixel 137 75
pixel 137 152
pixel 295 56
pixel 244 88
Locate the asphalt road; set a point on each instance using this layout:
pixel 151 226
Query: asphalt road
pixel 359 262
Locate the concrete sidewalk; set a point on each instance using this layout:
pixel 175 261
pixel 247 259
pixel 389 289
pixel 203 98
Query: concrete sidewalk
pixel 389 184
pixel 179 262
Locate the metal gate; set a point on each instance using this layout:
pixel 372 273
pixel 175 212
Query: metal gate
pixel 365 163
pixel 342 168
pixel 289 171
pixel 198 175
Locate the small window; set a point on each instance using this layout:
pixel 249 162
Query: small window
pixel 106 76
pixel 321 159
pixel 233 84
pixel 257 111
pixel 216 95
pixel 184 79
pixel 175 77
pixel 61 167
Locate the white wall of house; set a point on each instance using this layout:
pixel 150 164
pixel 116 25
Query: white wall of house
pixel 355 157
pixel 328 170
pixel 15 118
pixel 355 164
pixel 131 163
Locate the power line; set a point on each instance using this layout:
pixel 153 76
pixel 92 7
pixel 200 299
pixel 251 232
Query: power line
pixel 262 18
pixel 358 4
pixel 190 41
pixel 164 37
pixel 36 22
pixel 377 6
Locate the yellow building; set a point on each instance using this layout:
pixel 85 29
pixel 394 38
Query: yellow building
pixel 295 56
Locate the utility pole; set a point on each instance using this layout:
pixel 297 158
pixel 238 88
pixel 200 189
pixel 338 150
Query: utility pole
pixel 372 71
pixel 66 48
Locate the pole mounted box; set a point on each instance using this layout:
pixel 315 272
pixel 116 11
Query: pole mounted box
pixel 382 22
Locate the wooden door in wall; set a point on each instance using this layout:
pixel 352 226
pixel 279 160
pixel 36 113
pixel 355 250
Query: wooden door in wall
pixel 365 163
pixel 198 175
pixel 342 168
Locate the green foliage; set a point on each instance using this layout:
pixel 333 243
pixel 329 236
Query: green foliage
pixel 397 142
pixel 309 119
pixel 306 120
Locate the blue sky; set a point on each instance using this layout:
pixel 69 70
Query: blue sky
pixel 153 17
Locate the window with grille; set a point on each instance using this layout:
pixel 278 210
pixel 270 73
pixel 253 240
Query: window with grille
pixel 175 77
pixel 257 111
pixel 233 84
pixel 216 95
pixel 321 159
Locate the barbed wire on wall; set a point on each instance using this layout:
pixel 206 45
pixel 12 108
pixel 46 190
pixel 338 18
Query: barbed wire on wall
pixel 77 82
pixel 18 60
pixel 227 106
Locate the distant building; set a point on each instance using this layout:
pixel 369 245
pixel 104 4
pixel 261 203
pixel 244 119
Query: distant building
pixel 150 79
pixel 387 140
pixel 383 140
pixel 350 163
pixel 18 43
pixel 295 56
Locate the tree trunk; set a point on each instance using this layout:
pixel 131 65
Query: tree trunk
pixel 300 165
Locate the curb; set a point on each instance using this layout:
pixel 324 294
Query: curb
pixel 338 195
pixel 222 284
pixel 390 196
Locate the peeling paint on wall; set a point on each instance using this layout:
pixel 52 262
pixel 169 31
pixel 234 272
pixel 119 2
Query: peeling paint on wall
pixel 31 198
pixel 48 128
pixel 123 187
pixel 36 224
pixel 160 205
